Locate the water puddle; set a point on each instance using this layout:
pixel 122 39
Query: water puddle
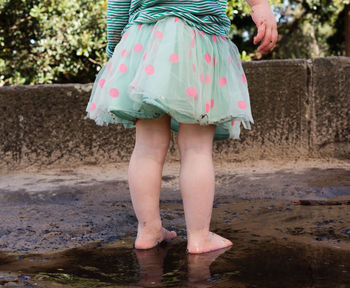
pixel 265 263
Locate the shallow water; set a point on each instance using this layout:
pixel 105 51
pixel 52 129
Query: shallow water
pixel 245 264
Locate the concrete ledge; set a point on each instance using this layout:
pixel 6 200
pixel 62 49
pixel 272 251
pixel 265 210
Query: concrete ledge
pixel 301 109
pixel 330 89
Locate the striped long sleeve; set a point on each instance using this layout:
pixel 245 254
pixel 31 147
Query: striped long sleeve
pixel 207 15
pixel 117 19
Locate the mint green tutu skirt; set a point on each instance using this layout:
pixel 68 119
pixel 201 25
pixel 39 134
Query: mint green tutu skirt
pixel 169 67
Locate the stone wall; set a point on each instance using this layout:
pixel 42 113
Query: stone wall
pixel 301 109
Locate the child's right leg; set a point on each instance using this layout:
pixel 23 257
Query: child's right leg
pixel 197 185
pixel 145 176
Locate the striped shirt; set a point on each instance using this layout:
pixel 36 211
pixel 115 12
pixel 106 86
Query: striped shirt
pixel 208 16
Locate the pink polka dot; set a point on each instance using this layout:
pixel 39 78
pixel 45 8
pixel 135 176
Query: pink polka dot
pixel 241 104
pixel 201 77
pixel 93 106
pixel 222 81
pixel 223 37
pixel 134 85
pixel 102 82
pixel 114 92
pixel 243 78
pixel 207 108
pixel 111 72
pixel 144 56
pixel 194 33
pixel 194 68
pixel 126 34
pixel 207 78
pixel 207 57
pixel 124 53
pixel 232 122
pixel 139 26
pixel 109 65
pixel 123 68
pixel 138 47
pixel 214 38
pixel 214 61
pixel 149 69
pixel 192 92
pixel 176 19
pixel 158 34
pixel 201 33
pixel 230 59
pixel 209 105
pixel 192 43
pixel 174 58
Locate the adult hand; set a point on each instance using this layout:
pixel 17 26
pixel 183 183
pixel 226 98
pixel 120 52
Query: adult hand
pixel 267 27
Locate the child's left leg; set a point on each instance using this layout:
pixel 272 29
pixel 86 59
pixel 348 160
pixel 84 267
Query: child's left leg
pixel 145 176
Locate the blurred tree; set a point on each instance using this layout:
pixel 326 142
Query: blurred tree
pixel 64 41
pixel 307 28
pixel 51 41
pixel 347 29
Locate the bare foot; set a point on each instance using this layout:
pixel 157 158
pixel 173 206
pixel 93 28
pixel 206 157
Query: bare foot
pixel 205 244
pixel 198 266
pixel 149 240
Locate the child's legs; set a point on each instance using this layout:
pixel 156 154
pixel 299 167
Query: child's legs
pixel 197 184
pixel 145 170
pixel 197 178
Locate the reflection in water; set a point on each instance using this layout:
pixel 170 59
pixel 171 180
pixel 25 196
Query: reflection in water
pixel 198 267
pixel 151 265
pixel 151 262
pixel 263 263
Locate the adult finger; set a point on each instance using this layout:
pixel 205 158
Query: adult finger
pixel 261 33
pixel 273 39
pixel 266 41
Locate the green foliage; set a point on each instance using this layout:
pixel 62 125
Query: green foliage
pixel 317 30
pixel 51 41
pixel 307 28
pixel 46 41
pixel 245 56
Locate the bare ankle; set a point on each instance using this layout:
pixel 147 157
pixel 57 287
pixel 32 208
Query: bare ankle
pixel 150 226
pixel 198 234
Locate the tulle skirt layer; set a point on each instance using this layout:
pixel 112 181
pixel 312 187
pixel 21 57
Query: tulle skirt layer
pixel 171 67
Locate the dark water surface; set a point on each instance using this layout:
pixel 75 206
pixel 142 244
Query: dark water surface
pixel 245 264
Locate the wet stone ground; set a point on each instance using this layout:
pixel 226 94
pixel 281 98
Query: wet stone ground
pixel 75 228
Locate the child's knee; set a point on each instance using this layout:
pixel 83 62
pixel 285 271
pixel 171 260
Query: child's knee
pixel 195 138
pixel 153 135
pixel 153 145
pixel 156 153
